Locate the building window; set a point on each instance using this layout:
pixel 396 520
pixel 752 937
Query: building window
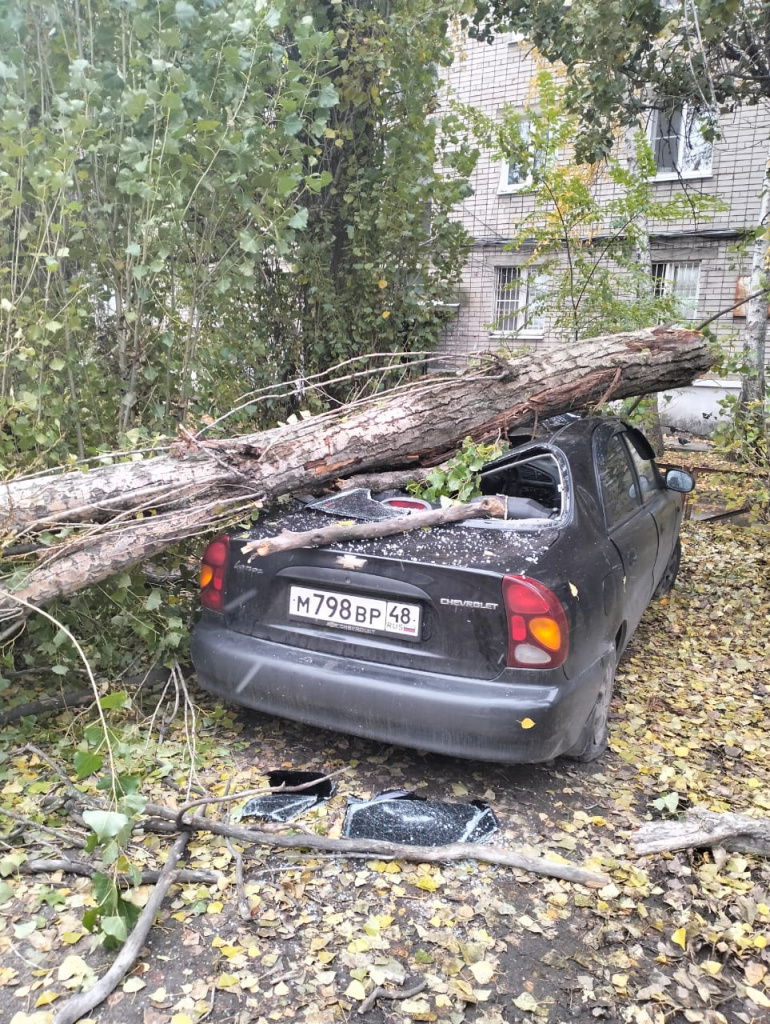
pixel 680 281
pixel 515 176
pixel 678 144
pixel 518 302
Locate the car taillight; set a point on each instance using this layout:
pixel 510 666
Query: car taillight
pixel 538 635
pixel 416 504
pixel 213 570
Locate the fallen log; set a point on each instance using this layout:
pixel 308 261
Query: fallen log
pixel 130 511
pixel 289 541
pixel 735 833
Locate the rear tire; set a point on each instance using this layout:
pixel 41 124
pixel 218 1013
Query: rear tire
pixel 592 741
pixel 670 573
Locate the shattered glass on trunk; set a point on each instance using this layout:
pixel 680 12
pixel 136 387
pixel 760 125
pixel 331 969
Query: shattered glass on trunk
pixel 398 816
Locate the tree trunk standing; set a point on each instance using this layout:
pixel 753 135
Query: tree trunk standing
pixel 136 509
pixel 755 331
pixel 644 287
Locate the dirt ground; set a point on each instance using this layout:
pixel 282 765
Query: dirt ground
pixel 671 938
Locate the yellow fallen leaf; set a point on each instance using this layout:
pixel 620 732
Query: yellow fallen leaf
pixel 46 998
pixel 573 590
pixel 181 1018
pixel 73 967
pixel 215 907
pixel 355 990
pixel 526 1002
pixel 70 938
pixel 133 985
pixel 679 937
pixel 482 971
pixel 754 972
pixel 428 883
pixel 226 980
pixel 281 989
pixel 160 995
pixel 758 997
pixel 527 723
pixel 711 967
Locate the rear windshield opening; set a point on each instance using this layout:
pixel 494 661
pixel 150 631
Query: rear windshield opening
pixel 533 484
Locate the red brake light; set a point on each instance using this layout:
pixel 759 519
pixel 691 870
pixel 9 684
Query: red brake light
pixel 413 503
pixel 538 635
pixel 213 571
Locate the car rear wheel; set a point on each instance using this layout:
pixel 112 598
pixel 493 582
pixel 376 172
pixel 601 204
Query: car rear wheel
pixel 668 579
pixel 593 739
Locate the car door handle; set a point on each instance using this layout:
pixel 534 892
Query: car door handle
pixel 633 554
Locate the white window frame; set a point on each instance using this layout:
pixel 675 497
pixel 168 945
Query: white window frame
pixel 511 304
pixel 666 282
pixel 690 123
pixel 506 187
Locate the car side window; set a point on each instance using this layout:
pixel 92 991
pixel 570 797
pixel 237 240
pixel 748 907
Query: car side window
pixel 645 470
pixel 617 479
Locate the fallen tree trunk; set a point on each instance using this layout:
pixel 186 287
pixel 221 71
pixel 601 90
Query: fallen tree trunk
pixel 202 481
pixel 736 833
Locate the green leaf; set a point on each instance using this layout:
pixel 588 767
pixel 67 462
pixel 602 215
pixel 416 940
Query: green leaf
pixel 116 699
pixel 135 104
pixel 293 124
pixel 105 824
pixel 115 927
pixel 153 601
pixel 86 763
pixel 6 892
pixel 299 220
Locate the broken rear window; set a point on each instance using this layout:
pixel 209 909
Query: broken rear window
pixel 533 482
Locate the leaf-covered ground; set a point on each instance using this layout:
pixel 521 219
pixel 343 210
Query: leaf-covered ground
pixel 671 938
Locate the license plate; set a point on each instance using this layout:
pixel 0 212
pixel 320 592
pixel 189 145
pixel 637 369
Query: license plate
pixel 349 611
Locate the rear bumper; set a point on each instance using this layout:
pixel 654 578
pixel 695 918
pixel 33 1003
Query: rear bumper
pixel 453 715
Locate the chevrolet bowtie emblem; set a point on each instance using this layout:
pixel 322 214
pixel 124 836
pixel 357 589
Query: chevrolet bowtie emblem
pixel 350 562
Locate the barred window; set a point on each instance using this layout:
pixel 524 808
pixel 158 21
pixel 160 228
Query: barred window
pixel 680 280
pixel 518 302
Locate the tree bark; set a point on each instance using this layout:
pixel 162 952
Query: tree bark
pixel 133 510
pixel 699 827
pixel 755 330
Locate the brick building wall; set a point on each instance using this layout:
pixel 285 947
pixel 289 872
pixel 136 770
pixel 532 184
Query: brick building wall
pixel 489 76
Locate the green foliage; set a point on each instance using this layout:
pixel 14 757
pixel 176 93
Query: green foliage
pixel 458 480
pixel 708 53
pixel 587 232
pixel 200 199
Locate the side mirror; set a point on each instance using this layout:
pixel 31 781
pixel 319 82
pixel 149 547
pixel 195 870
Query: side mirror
pixel 679 480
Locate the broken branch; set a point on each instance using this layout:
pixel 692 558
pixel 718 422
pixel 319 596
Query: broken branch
pixel 736 833
pixel 79 1005
pixel 383 993
pixel 288 541
pixel 399 851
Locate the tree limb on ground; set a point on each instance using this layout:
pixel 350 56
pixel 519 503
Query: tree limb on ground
pixel 379 848
pixel 288 541
pixel 736 833
pixel 129 511
pixel 46 706
pixel 85 870
pixel 82 1003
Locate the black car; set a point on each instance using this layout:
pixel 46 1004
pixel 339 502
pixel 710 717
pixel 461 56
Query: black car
pixel 494 638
